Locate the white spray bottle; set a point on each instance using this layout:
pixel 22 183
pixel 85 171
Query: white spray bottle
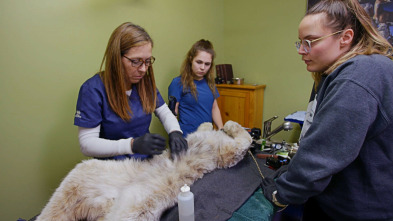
pixel 186 204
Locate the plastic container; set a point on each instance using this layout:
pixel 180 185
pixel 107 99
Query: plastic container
pixel 238 81
pixel 186 204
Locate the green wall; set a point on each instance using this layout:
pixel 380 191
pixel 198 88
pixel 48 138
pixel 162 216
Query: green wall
pixel 259 41
pixel 50 47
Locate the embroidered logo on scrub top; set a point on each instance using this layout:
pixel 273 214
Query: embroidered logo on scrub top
pixel 78 114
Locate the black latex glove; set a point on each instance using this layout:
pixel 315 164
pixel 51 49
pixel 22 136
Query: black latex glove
pixel 268 185
pixel 177 143
pixel 172 104
pixel 149 144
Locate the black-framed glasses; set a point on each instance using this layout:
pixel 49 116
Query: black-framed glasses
pixel 307 43
pixel 137 62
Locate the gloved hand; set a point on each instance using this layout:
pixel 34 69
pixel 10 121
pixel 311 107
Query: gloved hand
pixel 269 185
pixel 149 144
pixel 172 104
pixel 177 143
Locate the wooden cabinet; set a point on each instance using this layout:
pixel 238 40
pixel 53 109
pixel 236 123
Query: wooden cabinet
pixel 241 103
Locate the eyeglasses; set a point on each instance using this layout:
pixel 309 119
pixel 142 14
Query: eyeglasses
pixel 307 43
pixel 139 61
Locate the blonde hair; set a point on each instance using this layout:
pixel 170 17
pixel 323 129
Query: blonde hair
pixel 349 14
pixel 123 38
pixel 187 76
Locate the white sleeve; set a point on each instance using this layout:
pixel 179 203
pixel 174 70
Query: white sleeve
pixel 167 119
pixel 93 146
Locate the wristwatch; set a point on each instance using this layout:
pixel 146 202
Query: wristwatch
pixel 275 201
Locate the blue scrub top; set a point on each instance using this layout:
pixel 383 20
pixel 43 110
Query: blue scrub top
pixel 93 108
pixel 192 112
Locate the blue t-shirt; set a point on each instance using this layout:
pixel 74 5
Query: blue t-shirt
pixel 193 112
pixel 93 108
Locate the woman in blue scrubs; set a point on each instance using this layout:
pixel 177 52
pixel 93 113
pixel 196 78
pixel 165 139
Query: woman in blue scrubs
pixel 115 106
pixel 195 91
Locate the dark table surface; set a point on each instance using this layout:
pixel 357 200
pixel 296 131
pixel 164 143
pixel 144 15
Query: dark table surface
pixel 220 193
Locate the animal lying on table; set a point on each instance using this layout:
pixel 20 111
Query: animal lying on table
pixel 143 190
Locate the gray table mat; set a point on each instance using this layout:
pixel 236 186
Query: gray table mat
pixel 220 193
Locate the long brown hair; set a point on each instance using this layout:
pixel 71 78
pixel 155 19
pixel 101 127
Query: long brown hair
pixel 123 38
pixel 349 14
pixel 187 76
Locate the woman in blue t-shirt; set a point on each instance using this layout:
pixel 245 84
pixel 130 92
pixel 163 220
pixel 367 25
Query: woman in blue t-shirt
pixel 195 91
pixel 114 107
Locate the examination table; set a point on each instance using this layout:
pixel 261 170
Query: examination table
pixel 220 194
pixel 232 194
